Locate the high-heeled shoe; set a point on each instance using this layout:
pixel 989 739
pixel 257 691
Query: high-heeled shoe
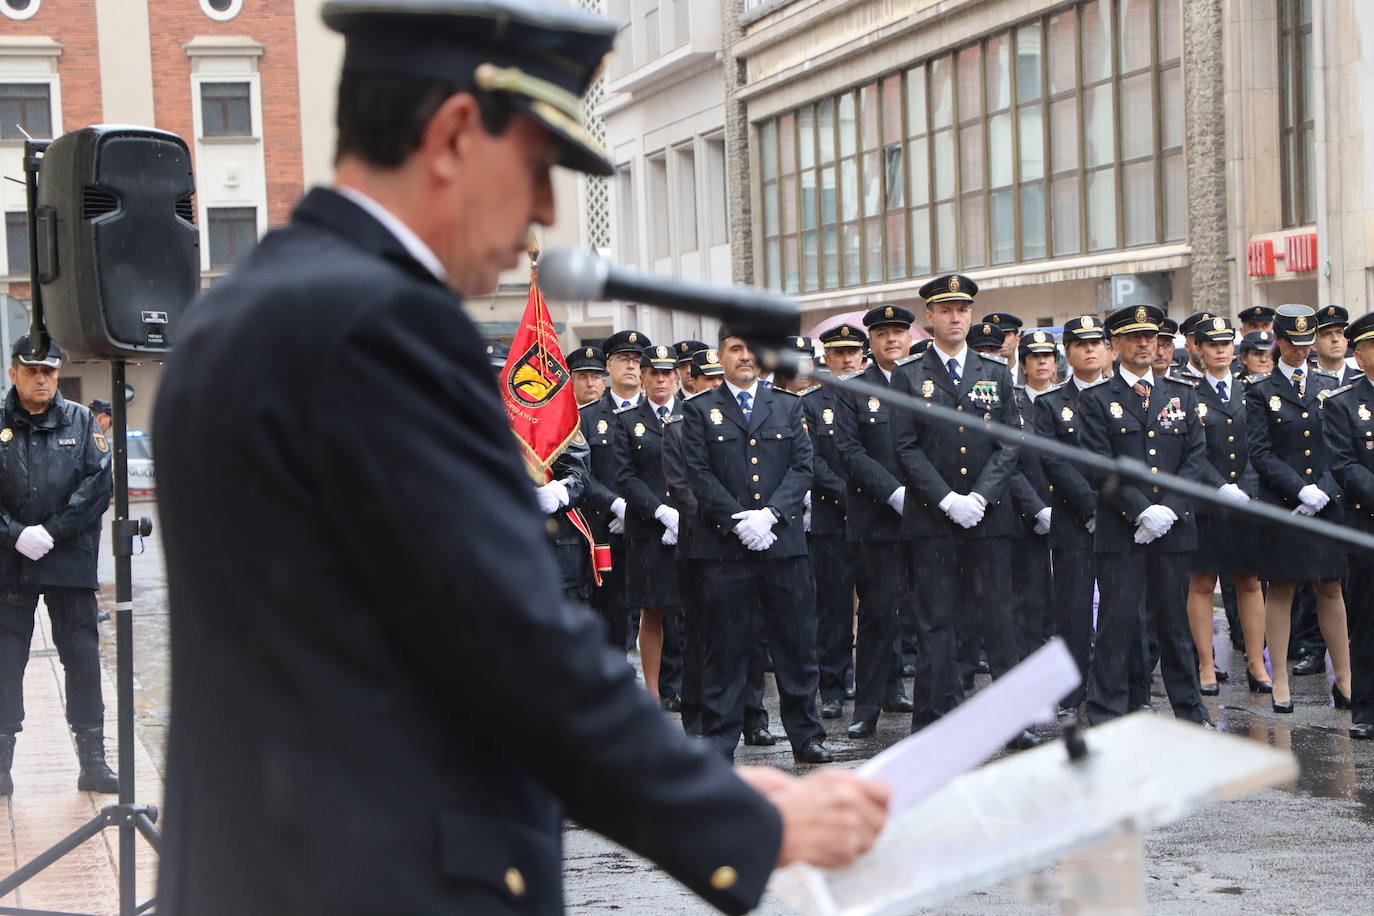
pixel 1257 685
pixel 1209 690
pixel 1341 700
pixel 1282 708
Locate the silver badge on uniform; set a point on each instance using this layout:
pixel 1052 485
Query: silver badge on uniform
pixel 927 389
pixel 873 405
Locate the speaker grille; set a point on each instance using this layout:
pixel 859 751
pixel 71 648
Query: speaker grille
pixel 96 202
pixel 186 209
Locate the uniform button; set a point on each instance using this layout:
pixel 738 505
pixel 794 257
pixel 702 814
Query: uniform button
pixel 871 420
pixel 1306 451
pixel 961 429
pixel 720 438
pixel 779 435
pixel 1232 456
pixel 756 479
pixel 723 878
pixel 963 470
pixel 1233 473
pixel 959 407
pixel 1308 472
pixel 1304 415
pixel 1152 451
pixel 1228 422
pixel 758 496
pixel 1123 430
pixel 1306 433
pixel 1156 489
pixel 753 460
pixel 1151 434
pixel 1230 438
pixel 1154 470
pixel 963 449
pixel 515 882
pixel 753 442
pixel 1051 488
pixel 858 489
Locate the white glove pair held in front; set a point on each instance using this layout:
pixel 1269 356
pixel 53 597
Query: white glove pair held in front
pixel 1154 523
pixel 34 542
pixel 1312 499
pixel 552 496
pixel 755 528
pixel 667 516
pixel 964 509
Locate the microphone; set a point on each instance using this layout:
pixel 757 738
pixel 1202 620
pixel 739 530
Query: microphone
pixel 761 318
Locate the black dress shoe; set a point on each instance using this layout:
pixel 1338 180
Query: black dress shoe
pixel 898 704
pixel 908 671
pixel 983 666
pixel 864 728
pixel 849 693
pixel 814 752
pixel 1341 700
pixel 760 737
pixel 1282 708
pixel 832 709
pixel 1209 690
pixel 1222 676
pixel 671 703
pixel 1025 741
pixel 1257 685
pixel 1362 731
pixel 1314 663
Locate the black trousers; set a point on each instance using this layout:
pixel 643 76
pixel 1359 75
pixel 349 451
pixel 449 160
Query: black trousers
pixel 1074 572
pixel 72 612
pixel 609 598
pixel 1228 602
pixel 670 664
pixel 1304 630
pixel 1031 596
pixel 883 584
pixel 963 585
pixel 833 562
pixel 1142 593
pixel 1359 611
pixel 739 595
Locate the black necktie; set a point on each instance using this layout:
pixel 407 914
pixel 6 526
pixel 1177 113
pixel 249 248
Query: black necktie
pixel 1221 392
pixel 663 413
pixel 953 367
pixel 744 403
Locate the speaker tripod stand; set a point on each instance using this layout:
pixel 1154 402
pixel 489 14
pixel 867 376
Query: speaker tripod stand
pixel 128 816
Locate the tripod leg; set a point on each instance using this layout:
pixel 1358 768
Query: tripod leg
pixel 53 853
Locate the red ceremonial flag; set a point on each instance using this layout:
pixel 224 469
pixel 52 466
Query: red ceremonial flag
pixel 537 390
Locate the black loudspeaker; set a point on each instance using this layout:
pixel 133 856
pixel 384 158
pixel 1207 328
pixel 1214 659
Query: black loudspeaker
pixel 118 255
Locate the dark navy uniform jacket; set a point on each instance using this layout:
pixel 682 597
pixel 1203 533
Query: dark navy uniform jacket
pixel 596 419
pixel 54 472
pixel 867 459
pixel 339 599
pixel 1167 436
pixel 1348 428
pixel 828 487
pixel 1224 426
pixel 1030 489
pixel 639 467
pixel 1074 497
pixel 1287 446
pixel 737 464
pixel 678 484
pixel 936 459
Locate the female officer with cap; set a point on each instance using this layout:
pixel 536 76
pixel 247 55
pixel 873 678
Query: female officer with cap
pixel 1284 427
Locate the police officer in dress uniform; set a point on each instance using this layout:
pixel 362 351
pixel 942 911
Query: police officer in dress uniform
pixel 832 557
pixel 749 464
pixel 1348 427
pixel 683 351
pixel 1032 603
pixel 396 575
pixel 873 518
pixel 1166 343
pixel 651 524
pixel 1256 357
pixel 957 510
pixel 1255 318
pixel 1228 545
pixel 1331 346
pixel 1288 451
pixel 1074 495
pixel 1010 325
pixel 1142 535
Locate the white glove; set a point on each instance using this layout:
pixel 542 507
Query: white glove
pixel 1304 509
pixel 617 525
pixel 34 542
pixel 1313 497
pixel 1157 520
pixel 898 499
pixel 669 538
pixel 1234 493
pixel 618 508
pixel 667 516
pixel 755 527
pixel 965 510
pixel 806 499
pixel 1143 535
pixel 1042 521
pixel 806 520
pixel 552 496
pixel 1091 525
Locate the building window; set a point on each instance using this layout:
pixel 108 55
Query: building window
pixel 651 27
pixel 25 110
pixel 221 10
pixel 226 110
pixel 626 224
pixel 685 201
pixel 716 222
pixel 1059 136
pixel 660 243
pixel 19 9
pixel 1297 136
pixel 233 232
pixel 17 243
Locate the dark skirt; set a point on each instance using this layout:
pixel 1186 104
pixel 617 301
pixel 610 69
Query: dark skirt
pixel 651 575
pixel 1289 555
pixel 1227 544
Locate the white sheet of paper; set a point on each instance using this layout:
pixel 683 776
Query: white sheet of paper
pixel 920 765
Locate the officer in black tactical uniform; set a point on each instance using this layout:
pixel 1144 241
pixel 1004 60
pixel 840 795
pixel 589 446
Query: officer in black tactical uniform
pixel 54 485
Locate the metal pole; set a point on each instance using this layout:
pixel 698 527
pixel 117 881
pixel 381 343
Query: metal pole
pixel 122 546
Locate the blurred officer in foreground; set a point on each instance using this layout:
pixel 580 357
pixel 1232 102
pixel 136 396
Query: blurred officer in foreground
pixel 1075 496
pixel 54 485
pixel 1142 535
pixel 374 585
pixel 1349 429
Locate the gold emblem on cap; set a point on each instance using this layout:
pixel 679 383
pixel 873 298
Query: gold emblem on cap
pixel 1087 321
pixel 1116 410
pixel 589 353
pixel 6 434
pixel 927 389
pixel 1039 336
pixel 954 284
pixel 601 426
pixel 844 331
pixel 712 356
pixel 1301 323
pixel 1219 324
pixel 801 342
pixel 1331 312
pixel 682 347
pixel 987 329
pixel 662 352
pixel 633 337
pixel 1141 314
pixel 888 313
pixel 995 319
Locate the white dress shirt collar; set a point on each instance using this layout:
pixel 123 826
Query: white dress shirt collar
pixel 1084 386
pixel 626 402
pixel 404 234
pixel 1288 370
pixel 1214 382
pixel 959 357
pixel 1130 378
pixel 753 390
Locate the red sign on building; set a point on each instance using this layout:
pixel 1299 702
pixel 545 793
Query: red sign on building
pixel 1300 251
pixel 1261 258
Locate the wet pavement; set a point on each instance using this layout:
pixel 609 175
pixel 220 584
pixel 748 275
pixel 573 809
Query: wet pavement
pixel 1302 848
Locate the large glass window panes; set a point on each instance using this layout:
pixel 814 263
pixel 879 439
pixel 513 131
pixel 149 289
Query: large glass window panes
pixel 974 228
pixel 1098 126
pixel 811 264
pixel 1170 29
pixel 1003 222
pixel 828 197
pixel 1135 18
pixel 1028 63
pixel 772 258
pixel 850 254
pixel 849 190
pixel 1137 117
pixel 1097 43
pixel 1297 144
pixel 919 157
pixel 971 158
pixel 1064 135
pixel 806 137
pixel 920 242
pixel 830 258
pixel 1175 199
pixel 872 184
pixel 1067 214
pixel 825 130
pixel 896 245
pixel 768 150
pixel 791 281
pixel 894 180
pixel 1101 205
pixel 1063 48
pixel 916 101
pixel 848 125
pixel 1001 150
pixel 1032 142
pixel 1171 107
pixel 873 250
pixel 944 164
pixel 810 206
pixel 942 92
pixel 1138 197
pixel 947 244
pixel 970 83
pixel 999 72
pixel 1033 221
pixel 771 223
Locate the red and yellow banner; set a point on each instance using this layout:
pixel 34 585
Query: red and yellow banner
pixel 537 391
